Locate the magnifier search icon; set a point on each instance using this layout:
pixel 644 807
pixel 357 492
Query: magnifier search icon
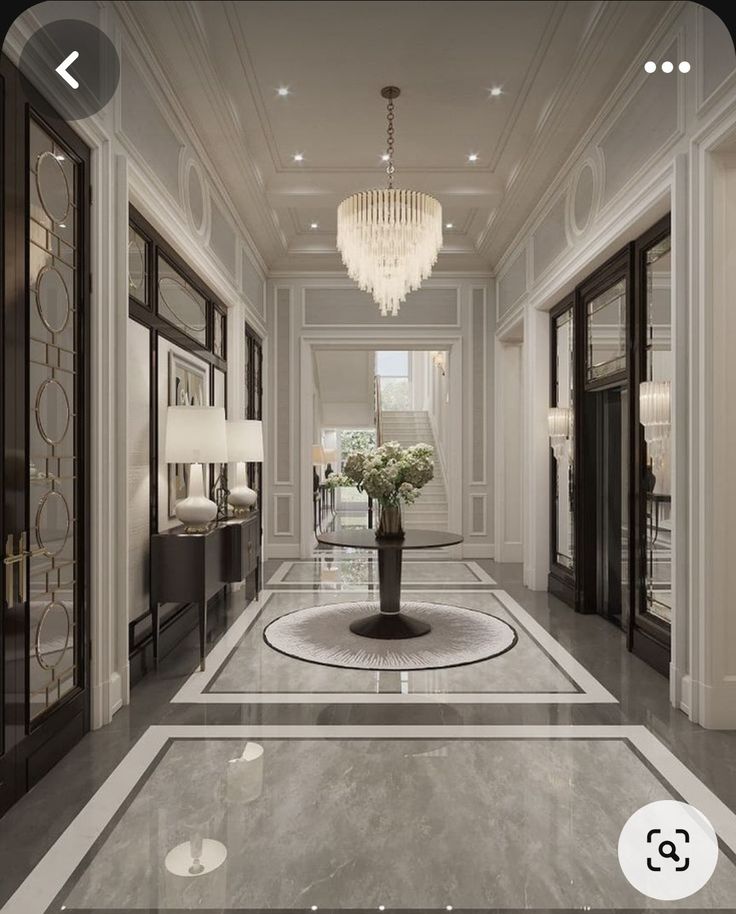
pixel 671 851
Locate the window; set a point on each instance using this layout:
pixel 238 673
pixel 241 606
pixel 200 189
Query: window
pixel 392 368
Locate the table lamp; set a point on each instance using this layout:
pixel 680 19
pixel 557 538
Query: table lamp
pixel 244 445
pixel 196 435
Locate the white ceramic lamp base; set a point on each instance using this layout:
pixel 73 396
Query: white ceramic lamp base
pixel 196 511
pixel 242 498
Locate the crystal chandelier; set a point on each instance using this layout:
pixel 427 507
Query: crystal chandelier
pixel 389 239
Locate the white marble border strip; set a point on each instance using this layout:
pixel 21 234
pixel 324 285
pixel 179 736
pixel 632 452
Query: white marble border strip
pixel 193 690
pixel 482 577
pixel 49 876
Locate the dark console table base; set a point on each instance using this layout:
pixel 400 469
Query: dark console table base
pixel 193 567
pixel 390 622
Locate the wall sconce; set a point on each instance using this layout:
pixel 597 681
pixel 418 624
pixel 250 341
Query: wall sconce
pixel 559 422
pixel 655 414
pixel 439 360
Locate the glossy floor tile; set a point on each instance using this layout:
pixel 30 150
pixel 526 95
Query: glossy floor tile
pixel 398 798
pixel 244 669
pixel 355 818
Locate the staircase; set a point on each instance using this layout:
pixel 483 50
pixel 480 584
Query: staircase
pixel 429 511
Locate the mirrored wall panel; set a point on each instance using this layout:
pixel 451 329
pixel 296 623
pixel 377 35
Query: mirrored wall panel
pixel 606 333
pixel 180 303
pixel 561 439
pixel 655 417
pixel 137 266
pixel 53 468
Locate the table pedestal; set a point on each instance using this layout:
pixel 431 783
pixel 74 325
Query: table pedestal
pixel 390 622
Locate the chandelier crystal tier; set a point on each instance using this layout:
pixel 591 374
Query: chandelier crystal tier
pixel 389 238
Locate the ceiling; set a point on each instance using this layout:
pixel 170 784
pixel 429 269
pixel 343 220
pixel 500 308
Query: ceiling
pixel 554 62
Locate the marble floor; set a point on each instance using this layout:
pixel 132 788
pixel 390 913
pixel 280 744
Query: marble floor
pixel 269 784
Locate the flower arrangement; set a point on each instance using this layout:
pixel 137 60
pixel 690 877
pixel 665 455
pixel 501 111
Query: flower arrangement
pixel 391 474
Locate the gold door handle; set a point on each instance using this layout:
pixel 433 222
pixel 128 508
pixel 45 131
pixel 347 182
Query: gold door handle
pixel 12 558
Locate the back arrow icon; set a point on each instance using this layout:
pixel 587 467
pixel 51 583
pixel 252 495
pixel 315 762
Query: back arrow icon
pixel 64 65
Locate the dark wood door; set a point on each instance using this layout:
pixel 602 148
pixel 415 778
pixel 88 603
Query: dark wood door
pixel 45 633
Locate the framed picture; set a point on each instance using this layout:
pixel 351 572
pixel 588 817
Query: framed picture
pixel 187 387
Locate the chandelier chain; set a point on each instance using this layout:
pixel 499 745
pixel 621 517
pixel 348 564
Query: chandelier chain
pixel 390 143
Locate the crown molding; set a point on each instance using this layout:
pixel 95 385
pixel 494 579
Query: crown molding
pixel 622 88
pixel 252 186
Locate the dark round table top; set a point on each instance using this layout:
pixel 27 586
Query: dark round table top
pixel 362 538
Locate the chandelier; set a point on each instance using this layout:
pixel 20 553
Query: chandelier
pixel 389 239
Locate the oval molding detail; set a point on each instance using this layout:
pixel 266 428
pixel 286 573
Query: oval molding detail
pixel 583 198
pixel 194 194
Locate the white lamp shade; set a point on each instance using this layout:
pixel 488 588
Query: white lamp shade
pixel 195 434
pixel 245 441
pixel 558 420
pixel 654 403
pixel 318 454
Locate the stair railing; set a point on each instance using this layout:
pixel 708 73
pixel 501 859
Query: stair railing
pixel 377 409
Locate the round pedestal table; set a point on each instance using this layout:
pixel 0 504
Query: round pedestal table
pixel 390 622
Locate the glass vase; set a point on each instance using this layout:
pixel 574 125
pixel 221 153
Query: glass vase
pixel 389 523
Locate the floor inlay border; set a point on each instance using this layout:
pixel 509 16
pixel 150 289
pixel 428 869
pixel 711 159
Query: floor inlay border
pixel 481 576
pixel 589 689
pixel 92 824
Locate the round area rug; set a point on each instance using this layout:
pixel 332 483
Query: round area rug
pixel 321 634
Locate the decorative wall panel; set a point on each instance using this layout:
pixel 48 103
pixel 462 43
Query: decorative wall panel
pixel 478 514
pixel 282 385
pixel 478 369
pixel 512 285
pixel 253 283
pixel 139 477
pixel 718 62
pixel 282 515
pixel 147 129
pixel 222 238
pixel 329 307
pixel 550 237
pixel 646 124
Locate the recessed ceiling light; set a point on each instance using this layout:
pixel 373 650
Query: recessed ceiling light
pixel 384 157
pixel 496 90
pixel 59 158
pixel 298 157
pixel 283 91
pixel 449 224
pixel 668 66
pixel 314 225
pixel 650 66
pixel 684 67
pixel 62 225
pixel 473 157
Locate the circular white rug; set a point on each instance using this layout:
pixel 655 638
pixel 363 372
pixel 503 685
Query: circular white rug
pixel 321 634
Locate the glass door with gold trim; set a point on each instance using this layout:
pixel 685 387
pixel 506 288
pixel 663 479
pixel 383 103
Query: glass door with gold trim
pixel 45 358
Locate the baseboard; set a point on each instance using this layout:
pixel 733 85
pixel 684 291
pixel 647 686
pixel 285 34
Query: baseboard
pixel 116 693
pixel 717 709
pixel 279 551
pixel 510 552
pixel 477 550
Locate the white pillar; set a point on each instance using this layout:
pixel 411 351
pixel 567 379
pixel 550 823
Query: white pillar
pixel 713 477
pixel 536 448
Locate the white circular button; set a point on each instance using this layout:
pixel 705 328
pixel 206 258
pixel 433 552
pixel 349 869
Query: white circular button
pixel 668 850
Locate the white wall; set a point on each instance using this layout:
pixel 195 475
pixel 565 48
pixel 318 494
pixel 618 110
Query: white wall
pixel 447 313
pixel 650 151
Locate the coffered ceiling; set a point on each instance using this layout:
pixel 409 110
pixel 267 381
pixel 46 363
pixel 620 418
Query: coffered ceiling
pixel 555 64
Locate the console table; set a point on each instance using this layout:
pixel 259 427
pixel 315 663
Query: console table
pixel 193 567
pixel 390 622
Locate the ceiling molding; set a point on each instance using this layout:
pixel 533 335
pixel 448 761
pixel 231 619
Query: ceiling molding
pixel 623 87
pixel 252 184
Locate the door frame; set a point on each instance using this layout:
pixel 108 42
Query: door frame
pixel 31 748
